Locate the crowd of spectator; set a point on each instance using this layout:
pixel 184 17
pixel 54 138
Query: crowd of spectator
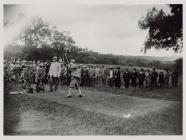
pixel 31 72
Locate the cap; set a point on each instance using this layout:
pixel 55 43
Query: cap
pixel 55 57
pixel 72 60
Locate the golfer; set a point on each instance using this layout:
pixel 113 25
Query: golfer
pixel 75 79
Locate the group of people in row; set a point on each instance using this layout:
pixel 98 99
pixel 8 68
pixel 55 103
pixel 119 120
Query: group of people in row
pixel 58 72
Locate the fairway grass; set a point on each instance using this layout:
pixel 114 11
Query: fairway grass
pixel 25 114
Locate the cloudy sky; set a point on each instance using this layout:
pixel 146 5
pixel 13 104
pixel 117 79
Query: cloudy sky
pixel 102 28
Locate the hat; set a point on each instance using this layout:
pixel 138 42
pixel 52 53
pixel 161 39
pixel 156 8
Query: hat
pixel 60 60
pixel 55 57
pixel 72 60
pixel 23 61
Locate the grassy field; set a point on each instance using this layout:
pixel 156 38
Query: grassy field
pixel 52 114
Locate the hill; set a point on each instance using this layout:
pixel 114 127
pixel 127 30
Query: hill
pixel 154 58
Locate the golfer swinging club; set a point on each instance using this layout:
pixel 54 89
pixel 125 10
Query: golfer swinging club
pixel 75 79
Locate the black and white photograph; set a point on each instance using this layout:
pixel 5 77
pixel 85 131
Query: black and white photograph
pixel 92 69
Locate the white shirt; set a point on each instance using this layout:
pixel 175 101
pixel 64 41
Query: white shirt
pixel 111 74
pixel 55 69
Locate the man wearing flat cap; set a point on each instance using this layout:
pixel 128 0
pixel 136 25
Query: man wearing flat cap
pixel 75 78
pixel 54 73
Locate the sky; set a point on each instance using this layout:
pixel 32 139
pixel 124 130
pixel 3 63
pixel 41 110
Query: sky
pixel 104 28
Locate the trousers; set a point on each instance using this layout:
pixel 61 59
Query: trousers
pixel 54 81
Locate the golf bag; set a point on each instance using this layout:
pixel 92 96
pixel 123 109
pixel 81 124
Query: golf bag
pixel 40 86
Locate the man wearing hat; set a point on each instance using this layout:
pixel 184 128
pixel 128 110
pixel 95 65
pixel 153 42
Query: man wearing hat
pixel 75 78
pixel 26 76
pixel 141 78
pixel 54 73
pixel 40 74
pixel 117 77
pixel 111 77
pixel 154 77
pixel 63 72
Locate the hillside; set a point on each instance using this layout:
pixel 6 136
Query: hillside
pixel 152 58
pixel 87 57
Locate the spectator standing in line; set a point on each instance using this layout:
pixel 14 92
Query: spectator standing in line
pixel 103 75
pixel 47 67
pixel 147 78
pixel 118 78
pixel 54 73
pixel 134 77
pixel 92 75
pixel 161 79
pixel 167 78
pixel 40 74
pixel 27 78
pixel 17 71
pixel 174 78
pixel 63 72
pixel 98 75
pixel 83 76
pixel 87 76
pixel 68 75
pixel 141 78
pixel 111 77
pixel 153 78
pixel 126 78
pixel 34 68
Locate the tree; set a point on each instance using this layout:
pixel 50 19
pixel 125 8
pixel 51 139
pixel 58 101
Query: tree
pixel 164 30
pixel 37 34
pixel 39 41
pixel 61 42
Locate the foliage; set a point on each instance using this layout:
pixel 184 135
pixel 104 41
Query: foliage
pixel 37 34
pixel 42 42
pixel 164 30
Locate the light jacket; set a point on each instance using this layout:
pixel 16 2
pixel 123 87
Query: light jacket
pixel 55 69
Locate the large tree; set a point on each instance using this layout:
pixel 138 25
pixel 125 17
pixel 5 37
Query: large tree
pixel 164 29
pixel 37 34
pixel 40 41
